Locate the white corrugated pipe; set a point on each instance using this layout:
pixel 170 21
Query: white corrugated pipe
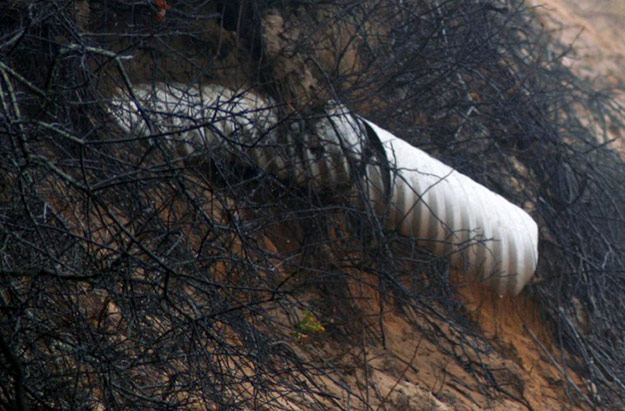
pixel 442 209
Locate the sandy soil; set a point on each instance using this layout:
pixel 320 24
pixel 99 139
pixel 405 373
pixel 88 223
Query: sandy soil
pixel 595 29
pixel 413 373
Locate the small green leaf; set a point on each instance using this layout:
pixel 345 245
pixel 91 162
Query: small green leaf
pixel 310 324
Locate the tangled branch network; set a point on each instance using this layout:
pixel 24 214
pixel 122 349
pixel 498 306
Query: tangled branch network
pixel 482 233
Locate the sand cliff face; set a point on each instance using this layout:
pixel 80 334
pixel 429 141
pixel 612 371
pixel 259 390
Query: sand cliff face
pixel 267 298
pixel 520 361
pixel 595 30
pixel 413 372
pixel 392 357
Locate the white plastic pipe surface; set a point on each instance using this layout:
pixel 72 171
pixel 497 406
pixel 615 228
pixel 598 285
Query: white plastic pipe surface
pixel 243 126
pixel 440 208
pixel 481 231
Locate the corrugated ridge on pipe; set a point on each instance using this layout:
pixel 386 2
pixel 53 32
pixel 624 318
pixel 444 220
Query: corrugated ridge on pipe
pixel 441 208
